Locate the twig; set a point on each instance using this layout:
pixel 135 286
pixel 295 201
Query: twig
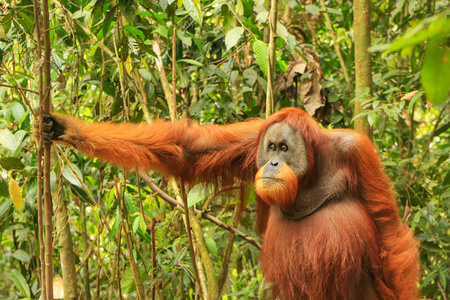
pixel 173 111
pixel 88 252
pixel 189 229
pixel 19 88
pixel 152 232
pixel 134 267
pixel 83 186
pixel 163 77
pixel 121 65
pixel 205 216
pixel 444 297
pixel 230 241
pixel 212 197
pixel 425 152
pixel 336 45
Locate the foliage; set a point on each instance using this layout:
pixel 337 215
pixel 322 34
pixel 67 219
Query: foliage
pixel 104 67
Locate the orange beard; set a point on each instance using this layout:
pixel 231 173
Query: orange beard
pixel 280 189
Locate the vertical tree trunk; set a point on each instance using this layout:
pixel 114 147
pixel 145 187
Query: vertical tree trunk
pixel 363 64
pixel 84 241
pixel 65 243
pixel 37 20
pixel 272 46
pixel 47 151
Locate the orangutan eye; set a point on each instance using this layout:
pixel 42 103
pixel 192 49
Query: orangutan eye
pixel 272 147
pixel 284 147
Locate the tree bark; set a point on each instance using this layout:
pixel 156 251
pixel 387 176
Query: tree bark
pixel 65 243
pixel 47 152
pixel 271 52
pixel 84 241
pixel 37 20
pixel 363 64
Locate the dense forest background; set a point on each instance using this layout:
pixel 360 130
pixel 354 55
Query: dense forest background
pixel 138 60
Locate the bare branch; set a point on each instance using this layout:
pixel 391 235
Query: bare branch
pixel 206 216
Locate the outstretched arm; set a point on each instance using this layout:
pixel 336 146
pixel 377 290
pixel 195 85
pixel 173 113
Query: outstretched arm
pixel 182 149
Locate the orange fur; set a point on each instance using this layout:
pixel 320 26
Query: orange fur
pixel 353 247
pixel 182 149
pixel 281 190
pixel 332 254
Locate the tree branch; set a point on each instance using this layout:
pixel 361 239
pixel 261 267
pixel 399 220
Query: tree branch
pixel 205 216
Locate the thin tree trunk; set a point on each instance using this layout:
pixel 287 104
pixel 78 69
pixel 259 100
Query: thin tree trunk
pixel 230 242
pixel 84 241
pixel 271 53
pixel 134 268
pixel 261 94
pixel 363 64
pixel 170 93
pixel 37 19
pixel 65 243
pixel 47 153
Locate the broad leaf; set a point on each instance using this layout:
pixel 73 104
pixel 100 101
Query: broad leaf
pixel 7 140
pixel 233 37
pixel 20 283
pixel 261 51
pixel 436 72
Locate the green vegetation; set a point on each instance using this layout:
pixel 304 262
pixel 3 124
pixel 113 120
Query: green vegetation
pixel 127 60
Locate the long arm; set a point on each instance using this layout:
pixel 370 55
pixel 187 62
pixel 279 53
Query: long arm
pixel 182 149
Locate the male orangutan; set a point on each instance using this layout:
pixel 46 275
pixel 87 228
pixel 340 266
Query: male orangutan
pixel 331 227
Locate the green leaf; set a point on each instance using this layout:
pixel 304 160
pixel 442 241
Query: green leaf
pixel 262 16
pixel 145 74
pixel 194 10
pixel 115 226
pixel 134 32
pixel 261 51
pixel 142 224
pixel 229 22
pixel 436 72
pixel 20 283
pixel 79 192
pixel 439 27
pixel 17 110
pixel 185 39
pixel 127 282
pixel 282 31
pixel 7 203
pixel 211 245
pixel 233 37
pixel 110 15
pixel 312 9
pixel 162 31
pixel 414 100
pixel 11 163
pixel 135 225
pixel 18 136
pixel 336 117
pixel 372 119
pixel 333 11
pixel 24 121
pixel 239 8
pixel 70 176
pixel 196 194
pixel 21 255
pixel 442 278
pixel 7 140
pixel 191 61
